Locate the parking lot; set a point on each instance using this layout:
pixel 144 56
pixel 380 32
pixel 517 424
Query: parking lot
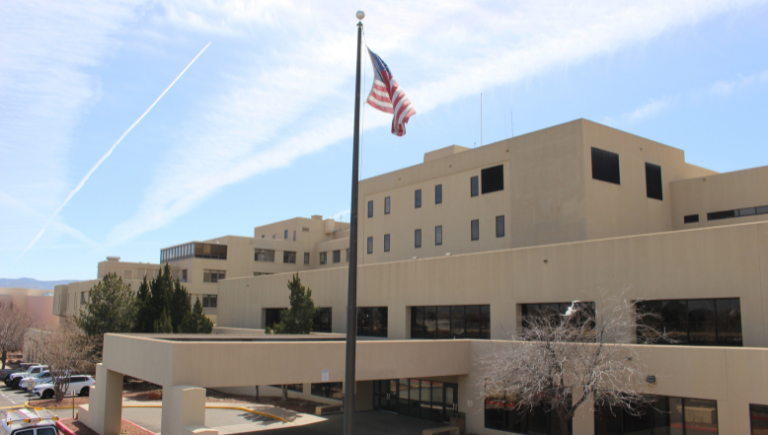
pixel 9 397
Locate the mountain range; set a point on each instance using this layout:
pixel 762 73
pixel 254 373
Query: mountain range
pixel 33 283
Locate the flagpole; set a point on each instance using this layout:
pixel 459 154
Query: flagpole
pixel 349 374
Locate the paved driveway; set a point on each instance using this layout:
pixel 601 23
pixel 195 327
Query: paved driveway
pixel 9 397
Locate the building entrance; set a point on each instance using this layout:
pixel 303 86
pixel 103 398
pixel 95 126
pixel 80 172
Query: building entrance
pixel 416 398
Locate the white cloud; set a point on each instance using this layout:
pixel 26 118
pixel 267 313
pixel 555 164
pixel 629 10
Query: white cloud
pixel 725 88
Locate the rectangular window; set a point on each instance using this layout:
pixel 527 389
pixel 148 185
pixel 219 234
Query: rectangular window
pixel 438 235
pixel 337 256
pixel 207 250
pixel 323 258
pixel 653 186
pixel 323 320
pixel 476 229
pixel 285 235
pixel 758 416
pixel 700 322
pixel 271 316
pixel 499 226
pixel 210 301
pixel 289 257
pixel 691 219
pixel 492 179
pixel 503 414
pixel 334 390
pixel 460 321
pixel 214 275
pixel 370 245
pixel 299 388
pixel 267 255
pixel 372 322
pixel 417 198
pixel 721 215
pixel 386 205
pixel 581 313
pixel 82 298
pixel 439 194
pixel 306 258
pixel 370 209
pixel 417 239
pixel 605 166
pixel 184 275
pixel 474 186
pixel 347 255
pixel 386 242
pixel 664 415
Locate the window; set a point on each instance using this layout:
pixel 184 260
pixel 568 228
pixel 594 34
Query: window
pixel 727 214
pixel 306 258
pixel 372 322
pixel 438 235
pixel 386 205
pixel 261 273
pixel 499 226
pixel 462 321
pixel 214 275
pixel 334 390
pixel 665 415
pixel 267 255
pixel 305 229
pixel 337 256
pixel 210 301
pixel 700 322
pixel 82 298
pixel 493 179
pixel 758 416
pixel 653 186
pixel 605 166
pixel 502 413
pixel 271 316
pixel 417 198
pixel 322 321
pixel 323 258
pixel 294 235
pixel 184 275
pixel 205 250
pixel 289 257
pixel 476 229
pixel 439 194
pixel 691 219
pixel 583 315
pixel 370 245
pixel 386 242
pixel 370 209
pixel 285 235
pixel 473 186
pixel 417 239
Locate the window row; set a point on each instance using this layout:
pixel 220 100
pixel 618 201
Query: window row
pixel 417 239
pixel 502 413
pixel 333 390
pixel 285 234
pixel 196 250
pixel 268 256
pixel 214 275
pixel 372 322
pixel 324 257
pixel 663 416
pixel 210 301
pixel 416 200
pixel 605 167
pixel 727 214
pixel 430 400
pixel 701 322
pixel 470 321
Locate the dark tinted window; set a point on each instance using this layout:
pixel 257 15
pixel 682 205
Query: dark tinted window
pixel 439 235
pixel 653 186
pixel 370 245
pixel 45 431
pixel 386 205
pixel 493 179
pixel 333 390
pixel 721 215
pixel 439 194
pixel 665 415
pixel 417 198
pixel 417 239
pixel 702 322
pixel 322 320
pixel 271 316
pixel 605 166
pixel 475 229
pixel 370 208
pixel 691 219
pixel 386 242
pixel 499 226
pixel 306 258
pixel 474 186
pixel 758 416
pixel 470 321
pixel 337 256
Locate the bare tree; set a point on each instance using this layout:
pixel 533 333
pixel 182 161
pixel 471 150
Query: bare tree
pixel 66 351
pixel 556 355
pixel 14 323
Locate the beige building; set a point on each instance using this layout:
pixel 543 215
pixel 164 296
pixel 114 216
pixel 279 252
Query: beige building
pixel 38 304
pixel 454 251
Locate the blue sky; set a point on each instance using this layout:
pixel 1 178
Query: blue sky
pixel 259 128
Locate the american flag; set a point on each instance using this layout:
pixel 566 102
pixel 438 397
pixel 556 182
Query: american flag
pixel 387 96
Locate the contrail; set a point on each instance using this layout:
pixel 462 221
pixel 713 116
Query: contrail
pixel 104 157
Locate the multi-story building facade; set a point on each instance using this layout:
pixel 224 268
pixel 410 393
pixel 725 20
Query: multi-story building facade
pixel 463 245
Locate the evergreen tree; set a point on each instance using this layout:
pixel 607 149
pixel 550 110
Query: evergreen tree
pixel 145 313
pixel 179 308
pixel 197 322
pixel 163 297
pixel 297 319
pixel 111 307
pixel 163 324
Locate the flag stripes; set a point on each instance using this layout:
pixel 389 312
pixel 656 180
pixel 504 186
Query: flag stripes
pixel 387 96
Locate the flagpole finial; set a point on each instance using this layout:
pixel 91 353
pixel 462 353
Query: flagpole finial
pixel 360 15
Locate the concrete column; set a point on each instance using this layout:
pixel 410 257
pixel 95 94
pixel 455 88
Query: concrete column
pixel 104 411
pixel 584 419
pixel 184 411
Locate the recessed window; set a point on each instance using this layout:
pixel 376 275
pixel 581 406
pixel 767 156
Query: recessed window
pixel 267 255
pixel 476 229
pixel 493 179
pixel 653 185
pixel 386 242
pixel 697 322
pixel 285 235
pixel 370 209
pixel 210 301
pixel 417 198
pixel 334 390
pixel 372 322
pixel 462 321
pixel 474 186
pixel 499 226
pixel 417 239
pixel 214 275
pixel 323 320
pixel 370 245
pixel 386 205
pixel 438 235
pixel 323 258
pixel 337 256
pixel 289 257
pixel 184 275
pixel 605 166
pixel 690 219
pixel 717 215
pixel 306 258
pixel 758 416
pixel 664 415
pixel 439 194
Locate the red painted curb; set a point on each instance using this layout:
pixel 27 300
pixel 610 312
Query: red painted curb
pixel 142 428
pixel 63 428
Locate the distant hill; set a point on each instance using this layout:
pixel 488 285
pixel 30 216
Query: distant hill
pixel 33 283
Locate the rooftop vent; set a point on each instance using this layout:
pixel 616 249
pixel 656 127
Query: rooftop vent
pixel 111 258
pixel 317 217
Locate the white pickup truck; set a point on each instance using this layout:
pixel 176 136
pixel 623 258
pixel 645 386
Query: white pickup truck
pixel 15 378
pixel 28 422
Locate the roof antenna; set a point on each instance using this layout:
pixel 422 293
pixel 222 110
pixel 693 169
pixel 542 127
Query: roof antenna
pixel 481 119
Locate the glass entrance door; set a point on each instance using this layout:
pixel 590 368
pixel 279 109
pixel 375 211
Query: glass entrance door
pixel 385 395
pixel 450 400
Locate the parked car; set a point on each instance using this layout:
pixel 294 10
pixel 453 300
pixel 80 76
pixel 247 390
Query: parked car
pixel 15 378
pixel 78 384
pixel 4 373
pixel 30 381
pixel 28 422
